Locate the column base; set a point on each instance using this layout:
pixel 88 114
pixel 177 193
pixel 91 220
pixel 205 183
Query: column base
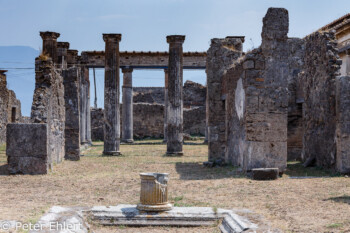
pixel 180 153
pixel 111 153
pixel 127 140
pixel 155 208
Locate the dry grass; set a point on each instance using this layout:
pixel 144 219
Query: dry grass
pixel 292 205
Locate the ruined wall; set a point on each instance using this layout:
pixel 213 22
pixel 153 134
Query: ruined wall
pixel 343 124
pixel 194 94
pixel 257 100
pixel 295 123
pixel 319 108
pixel 49 107
pixel 3 107
pixel 72 117
pixel 149 121
pixel 10 107
pixel 221 54
pixel 151 95
pixel 194 121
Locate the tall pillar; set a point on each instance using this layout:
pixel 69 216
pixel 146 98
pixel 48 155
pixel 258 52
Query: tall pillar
pixel 50 44
pixel 127 109
pixel 175 96
pixel 83 104
pixel 88 114
pixel 111 95
pixel 166 74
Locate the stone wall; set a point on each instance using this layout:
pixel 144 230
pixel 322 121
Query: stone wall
pixel 221 54
pixel 149 121
pixel 296 49
pixel 49 107
pixel 27 149
pixel 343 124
pixel 151 95
pixel 257 100
pixel 10 107
pixel 319 108
pixel 194 94
pixel 194 121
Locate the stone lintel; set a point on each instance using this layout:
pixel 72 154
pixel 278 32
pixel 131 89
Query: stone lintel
pixel 63 45
pixel 49 35
pixel 175 39
pixel 242 38
pixel 112 37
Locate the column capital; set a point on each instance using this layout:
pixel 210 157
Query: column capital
pixel 175 39
pixel 49 35
pixel 127 70
pixel 166 71
pixel 112 37
pixel 63 45
pixel 3 71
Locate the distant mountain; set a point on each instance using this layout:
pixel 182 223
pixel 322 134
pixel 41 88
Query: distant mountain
pixel 20 63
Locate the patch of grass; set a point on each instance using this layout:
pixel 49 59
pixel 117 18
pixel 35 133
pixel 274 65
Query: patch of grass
pixel 3 148
pixel 179 198
pixel 334 225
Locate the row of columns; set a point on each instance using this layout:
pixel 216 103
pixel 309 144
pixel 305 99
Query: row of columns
pixel 173 114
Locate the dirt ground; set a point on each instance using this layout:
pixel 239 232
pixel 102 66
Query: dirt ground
pixel 292 205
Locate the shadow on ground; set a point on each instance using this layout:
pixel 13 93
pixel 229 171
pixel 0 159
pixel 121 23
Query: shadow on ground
pixel 341 199
pixel 196 171
pixel 296 169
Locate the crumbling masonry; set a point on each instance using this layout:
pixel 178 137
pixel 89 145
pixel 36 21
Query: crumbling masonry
pixel 282 100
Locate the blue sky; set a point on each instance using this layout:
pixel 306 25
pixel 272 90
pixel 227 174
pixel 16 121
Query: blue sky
pixel 144 24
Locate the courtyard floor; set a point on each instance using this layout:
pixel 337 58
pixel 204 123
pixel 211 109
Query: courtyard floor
pixel 289 204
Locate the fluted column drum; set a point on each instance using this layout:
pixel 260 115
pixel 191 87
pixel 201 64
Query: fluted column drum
pixel 154 192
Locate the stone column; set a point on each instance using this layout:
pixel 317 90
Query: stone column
pixel 166 73
pixel 50 44
pixel 83 104
pixel 127 109
pixel 62 48
pixel 111 95
pixel 88 114
pixel 175 96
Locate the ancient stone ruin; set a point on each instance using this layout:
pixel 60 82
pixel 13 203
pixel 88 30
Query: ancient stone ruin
pixel 10 107
pixel 283 100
